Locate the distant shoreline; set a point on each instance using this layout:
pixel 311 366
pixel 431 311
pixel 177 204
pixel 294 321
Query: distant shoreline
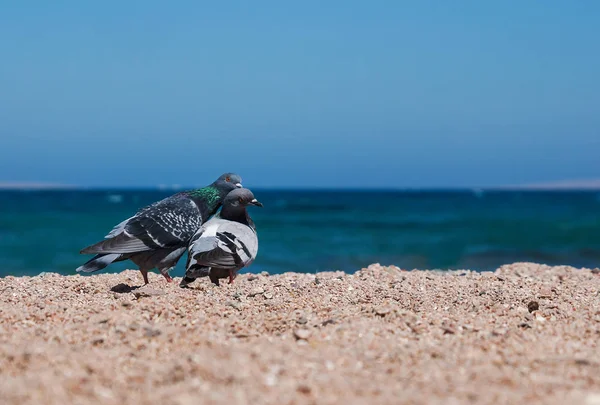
pixel 35 186
pixel 575 185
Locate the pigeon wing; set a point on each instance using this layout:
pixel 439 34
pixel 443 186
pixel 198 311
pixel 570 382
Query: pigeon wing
pixel 223 244
pixel 168 223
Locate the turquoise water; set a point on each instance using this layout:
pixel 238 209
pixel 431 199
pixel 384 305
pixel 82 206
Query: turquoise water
pixel 309 231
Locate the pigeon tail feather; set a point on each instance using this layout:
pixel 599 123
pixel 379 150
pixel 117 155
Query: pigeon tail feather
pixel 98 262
pixel 122 243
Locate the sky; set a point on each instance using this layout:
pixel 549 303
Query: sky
pixel 384 94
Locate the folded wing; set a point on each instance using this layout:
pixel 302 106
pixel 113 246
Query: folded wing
pixel 223 244
pixel 169 223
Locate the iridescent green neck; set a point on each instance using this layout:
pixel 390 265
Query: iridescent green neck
pixel 207 198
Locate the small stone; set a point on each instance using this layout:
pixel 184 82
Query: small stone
pixel 302 320
pixel 46 273
pixel 540 319
pixel 499 332
pixel 382 311
pixel 234 304
pixel 596 271
pixel 151 332
pixel 126 304
pixel 545 293
pixel 147 292
pixel 302 334
pixel 252 277
pixel 271 380
pixel 264 273
pixel 524 325
pixel 533 306
pixel 303 389
pixel 256 291
pixel 317 281
pixel 98 341
pixel 448 330
pixel 268 295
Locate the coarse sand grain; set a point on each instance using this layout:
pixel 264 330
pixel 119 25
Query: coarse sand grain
pixel 524 334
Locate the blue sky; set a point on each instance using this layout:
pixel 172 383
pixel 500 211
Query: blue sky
pixel 310 94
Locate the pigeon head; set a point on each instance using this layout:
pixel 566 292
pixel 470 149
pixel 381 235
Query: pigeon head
pixel 241 197
pixel 228 182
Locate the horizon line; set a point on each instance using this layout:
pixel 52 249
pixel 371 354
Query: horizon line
pixel 578 185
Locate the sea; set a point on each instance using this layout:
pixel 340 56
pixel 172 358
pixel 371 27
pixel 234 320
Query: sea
pixel 313 231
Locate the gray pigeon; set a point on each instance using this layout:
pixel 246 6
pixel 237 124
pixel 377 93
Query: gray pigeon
pixel 159 234
pixel 226 243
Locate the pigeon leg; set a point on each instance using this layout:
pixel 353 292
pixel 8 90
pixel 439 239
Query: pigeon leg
pixel 145 275
pixel 231 276
pixel 167 277
pixel 213 277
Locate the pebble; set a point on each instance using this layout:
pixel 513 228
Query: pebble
pixel 268 295
pixel 234 304
pixel 448 330
pixel 303 389
pixel 47 273
pixel 256 291
pixel 302 334
pixel 147 292
pixel 382 311
pixel 151 332
pixel 533 306
pixel 499 332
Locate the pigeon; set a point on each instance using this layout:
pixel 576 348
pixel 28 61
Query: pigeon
pixel 159 234
pixel 226 243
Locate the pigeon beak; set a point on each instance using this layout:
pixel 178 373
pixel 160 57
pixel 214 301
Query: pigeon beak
pixel 256 202
pixel 238 185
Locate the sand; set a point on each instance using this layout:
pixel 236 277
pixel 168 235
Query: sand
pixel 526 333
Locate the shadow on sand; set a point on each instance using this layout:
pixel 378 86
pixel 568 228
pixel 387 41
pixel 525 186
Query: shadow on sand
pixel 124 288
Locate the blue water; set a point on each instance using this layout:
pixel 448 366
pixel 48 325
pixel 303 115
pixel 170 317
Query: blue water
pixel 309 231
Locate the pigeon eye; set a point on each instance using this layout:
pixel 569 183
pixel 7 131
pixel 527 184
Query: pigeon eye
pixel 228 179
pixel 241 200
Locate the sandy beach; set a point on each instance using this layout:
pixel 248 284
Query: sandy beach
pixel 525 333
